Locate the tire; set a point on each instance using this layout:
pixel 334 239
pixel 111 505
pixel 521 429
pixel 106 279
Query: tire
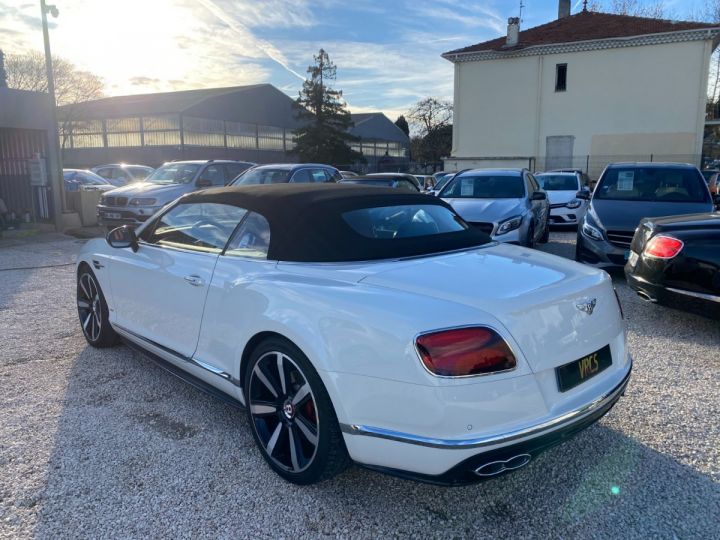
pixel 546 234
pixel 293 421
pixel 93 311
pixel 530 242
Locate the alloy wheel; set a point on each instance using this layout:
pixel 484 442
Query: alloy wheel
pixel 89 304
pixel 284 413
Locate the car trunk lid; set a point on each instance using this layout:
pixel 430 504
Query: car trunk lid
pixel 537 297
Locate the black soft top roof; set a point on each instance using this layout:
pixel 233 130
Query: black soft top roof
pixel 306 223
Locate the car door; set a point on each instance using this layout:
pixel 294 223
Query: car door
pixel 232 298
pixel 540 209
pixel 159 291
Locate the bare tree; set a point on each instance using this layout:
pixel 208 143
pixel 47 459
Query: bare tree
pixel 429 114
pixel 655 10
pixel 72 85
pixel 711 13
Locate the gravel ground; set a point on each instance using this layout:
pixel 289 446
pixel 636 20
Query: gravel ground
pixel 105 444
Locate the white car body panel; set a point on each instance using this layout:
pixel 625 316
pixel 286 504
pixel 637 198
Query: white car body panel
pixel 357 323
pixel 152 297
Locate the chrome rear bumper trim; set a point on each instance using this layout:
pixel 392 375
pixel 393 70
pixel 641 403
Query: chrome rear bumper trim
pixel 491 440
pixel 694 294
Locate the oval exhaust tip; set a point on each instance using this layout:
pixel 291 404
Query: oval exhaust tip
pixel 496 467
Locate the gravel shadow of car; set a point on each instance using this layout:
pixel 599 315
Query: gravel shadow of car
pixel 139 453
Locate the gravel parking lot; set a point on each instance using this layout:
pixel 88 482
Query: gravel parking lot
pixel 106 444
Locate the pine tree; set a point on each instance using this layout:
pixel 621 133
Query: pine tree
pixel 324 136
pixel 403 125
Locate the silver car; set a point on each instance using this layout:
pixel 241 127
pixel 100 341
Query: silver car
pixel 135 203
pixel 562 188
pixel 507 204
pixel 121 174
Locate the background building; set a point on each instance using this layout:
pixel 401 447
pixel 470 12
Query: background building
pixel 251 123
pixel 27 159
pixel 384 146
pixel 582 91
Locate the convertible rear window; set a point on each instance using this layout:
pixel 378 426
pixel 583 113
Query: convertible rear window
pixel 404 221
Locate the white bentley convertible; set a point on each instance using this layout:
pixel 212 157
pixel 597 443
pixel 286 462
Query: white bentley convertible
pixel 362 324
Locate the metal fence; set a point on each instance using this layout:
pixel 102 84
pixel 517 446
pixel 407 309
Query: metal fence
pixel 594 165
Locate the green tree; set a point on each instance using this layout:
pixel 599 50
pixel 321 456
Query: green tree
pixel 325 119
pixel 402 123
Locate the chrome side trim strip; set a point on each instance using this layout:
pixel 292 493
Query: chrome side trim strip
pixel 694 294
pixel 208 367
pixel 490 440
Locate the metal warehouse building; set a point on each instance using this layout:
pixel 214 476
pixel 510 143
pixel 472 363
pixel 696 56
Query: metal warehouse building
pixel 250 123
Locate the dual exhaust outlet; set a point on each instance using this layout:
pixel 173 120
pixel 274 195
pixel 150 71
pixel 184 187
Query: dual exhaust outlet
pixel 494 468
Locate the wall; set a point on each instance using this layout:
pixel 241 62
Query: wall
pixel 633 100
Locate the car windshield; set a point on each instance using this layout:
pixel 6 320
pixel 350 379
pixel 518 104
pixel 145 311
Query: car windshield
pixel 406 221
pixel 658 184
pixel 86 178
pixel 174 173
pixel 485 187
pixel 442 180
pixel 140 173
pixel 558 182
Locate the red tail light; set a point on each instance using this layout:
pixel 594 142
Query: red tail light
pixel 663 247
pixel 465 351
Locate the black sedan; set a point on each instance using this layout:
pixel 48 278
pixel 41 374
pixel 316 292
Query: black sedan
pixel 676 261
pixel 628 192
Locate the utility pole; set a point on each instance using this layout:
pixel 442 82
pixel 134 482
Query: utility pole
pixel 57 183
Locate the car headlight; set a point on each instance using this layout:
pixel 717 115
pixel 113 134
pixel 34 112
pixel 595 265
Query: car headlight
pixel 591 232
pixel 510 225
pixel 143 202
pixel 575 203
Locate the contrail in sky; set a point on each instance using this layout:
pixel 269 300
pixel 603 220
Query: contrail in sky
pixel 263 45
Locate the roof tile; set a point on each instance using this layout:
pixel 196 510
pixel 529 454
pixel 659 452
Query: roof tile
pixel 585 26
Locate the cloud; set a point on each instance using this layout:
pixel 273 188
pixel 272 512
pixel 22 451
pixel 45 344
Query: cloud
pixel 238 27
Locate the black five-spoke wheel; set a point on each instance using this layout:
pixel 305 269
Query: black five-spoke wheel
pixel 93 311
pixel 283 409
pixel 88 303
pixel 292 418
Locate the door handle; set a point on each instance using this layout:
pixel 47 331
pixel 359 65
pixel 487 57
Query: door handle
pixel 194 280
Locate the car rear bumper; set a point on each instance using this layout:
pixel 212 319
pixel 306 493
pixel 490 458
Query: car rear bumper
pixel 655 292
pixel 493 454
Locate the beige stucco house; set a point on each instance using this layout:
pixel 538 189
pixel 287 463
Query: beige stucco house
pixel 582 91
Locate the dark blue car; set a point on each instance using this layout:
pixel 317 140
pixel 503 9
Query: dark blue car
pixel 628 192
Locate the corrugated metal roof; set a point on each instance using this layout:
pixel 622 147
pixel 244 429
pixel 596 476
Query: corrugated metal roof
pixel 149 104
pixel 377 126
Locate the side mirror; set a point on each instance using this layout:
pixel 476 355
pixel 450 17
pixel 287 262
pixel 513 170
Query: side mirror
pixel 203 182
pixel 583 194
pixel 539 196
pixel 123 237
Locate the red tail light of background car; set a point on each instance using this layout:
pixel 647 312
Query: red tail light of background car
pixel 465 351
pixel 663 247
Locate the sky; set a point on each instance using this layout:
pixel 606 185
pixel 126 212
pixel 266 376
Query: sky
pixel 387 52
